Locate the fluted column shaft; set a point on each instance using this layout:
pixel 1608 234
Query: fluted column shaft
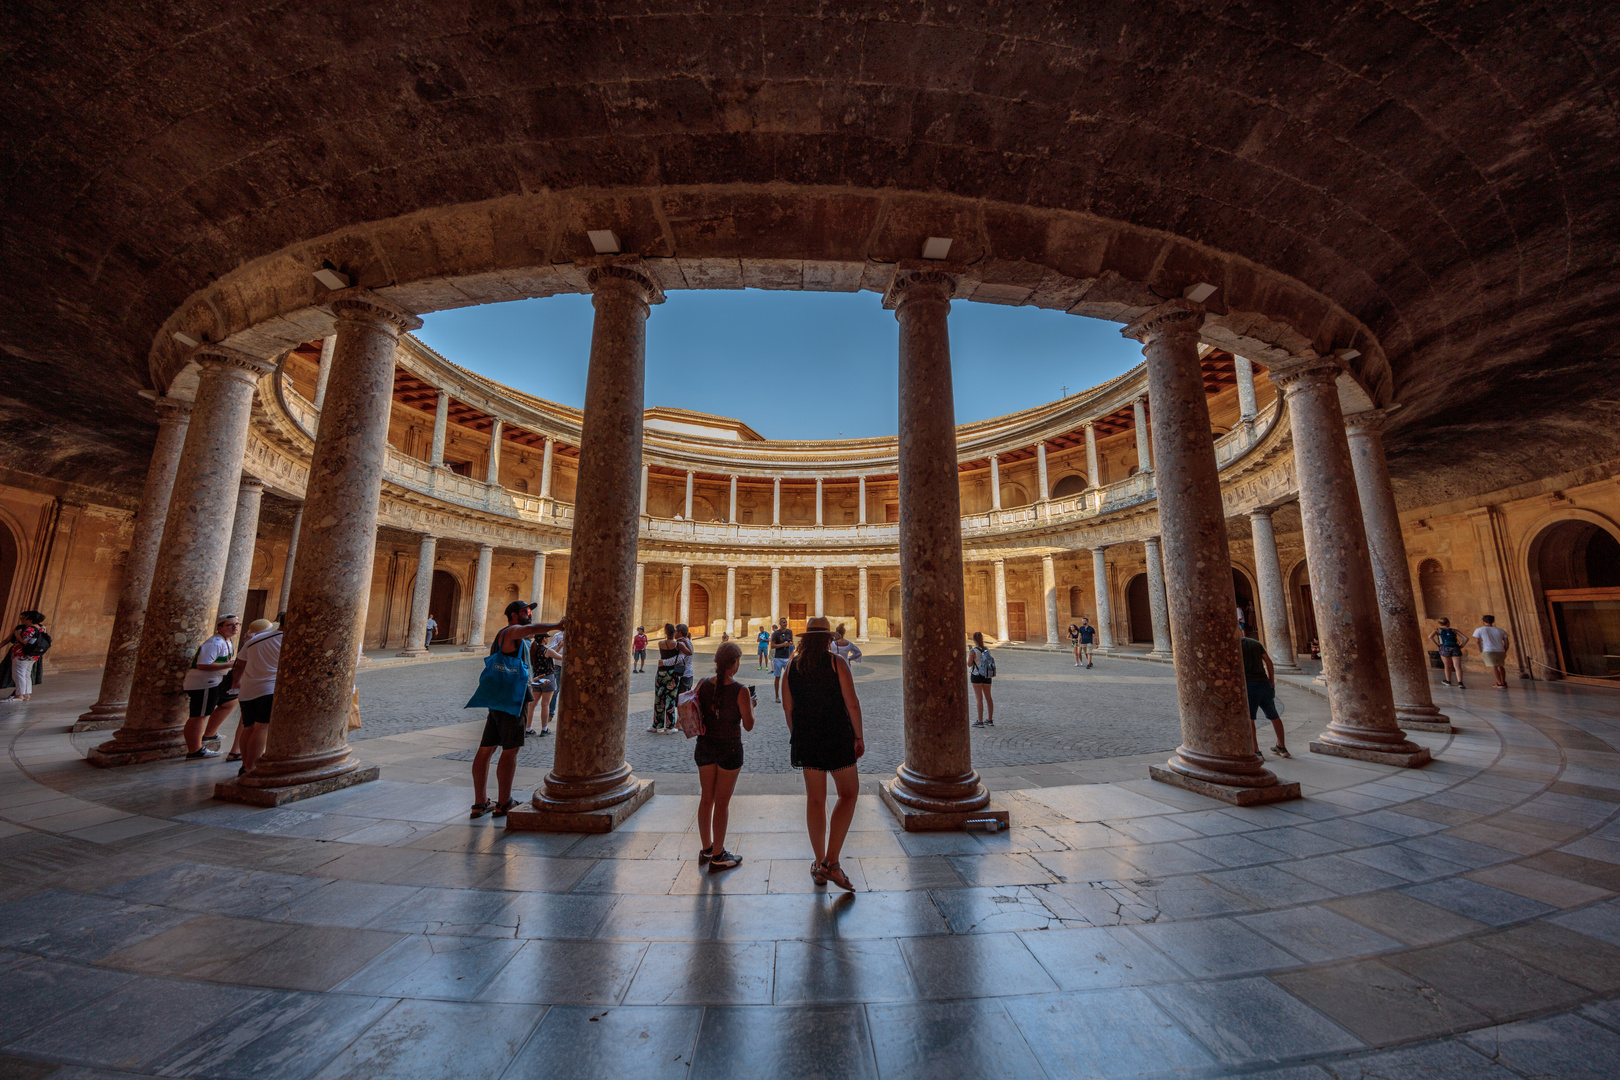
pixel 1000 574
pixel 1273 599
pixel 147 535
pixel 937 775
pixel 421 598
pixel 1049 593
pixel 239 558
pixel 861 615
pixel 292 559
pixel 1158 601
pixel 478 608
pixel 1342 591
pixel 590 774
pixel 1218 754
pixel 190 566
pixel 1105 609
pixel 1392 574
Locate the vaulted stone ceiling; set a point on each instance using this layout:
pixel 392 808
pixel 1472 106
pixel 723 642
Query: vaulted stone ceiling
pixel 1445 174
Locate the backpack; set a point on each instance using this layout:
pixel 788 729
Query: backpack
pixel 1449 638
pixel 689 713
pixel 38 644
pixel 987 663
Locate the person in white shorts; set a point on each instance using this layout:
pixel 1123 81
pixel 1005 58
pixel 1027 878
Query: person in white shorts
pixel 1493 643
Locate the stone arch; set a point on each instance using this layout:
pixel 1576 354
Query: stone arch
pixel 1244 594
pixel 1069 484
pixel 1013 495
pixel 11 565
pixel 1077 601
pixel 444 604
pixel 1138 609
pixel 1572 560
pixel 1299 597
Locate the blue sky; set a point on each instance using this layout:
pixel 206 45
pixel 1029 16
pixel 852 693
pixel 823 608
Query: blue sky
pixel 792 365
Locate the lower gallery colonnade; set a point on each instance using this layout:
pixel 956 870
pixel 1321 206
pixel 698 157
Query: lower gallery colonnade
pixel 1143 491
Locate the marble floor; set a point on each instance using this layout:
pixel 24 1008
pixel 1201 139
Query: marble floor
pixel 1458 920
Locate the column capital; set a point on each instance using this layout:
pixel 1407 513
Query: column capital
pixel 229 361
pixel 619 272
pixel 425 537
pixel 251 482
pixel 912 281
pixel 444 395
pixel 1172 318
pixel 1307 369
pixel 1263 512
pixel 1368 421
pixel 170 410
pixel 485 547
pixel 363 305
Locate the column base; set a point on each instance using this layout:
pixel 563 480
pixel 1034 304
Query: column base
pixel 914 820
pixel 474 648
pixel 1155 654
pixel 414 652
pixel 1237 795
pixel 90 722
pixel 1423 718
pixel 532 818
pixel 235 791
pixel 1287 669
pixel 1409 759
pixel 160 745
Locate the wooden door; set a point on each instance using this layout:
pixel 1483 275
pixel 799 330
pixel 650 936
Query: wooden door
pixel 700 612
pixel 798 617
pixel 1017 629
pixel 445 604
pixel 1139 609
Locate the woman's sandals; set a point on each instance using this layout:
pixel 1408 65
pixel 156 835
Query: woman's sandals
pixel 833 872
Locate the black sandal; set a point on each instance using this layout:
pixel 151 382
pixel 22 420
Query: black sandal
pixel 835 874
pixel 480 809
pixel 500 811
pixel 233 757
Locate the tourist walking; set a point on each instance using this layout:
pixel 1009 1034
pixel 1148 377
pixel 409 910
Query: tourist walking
pixel 1074 642
pixel 432 630
pixel 982 669
pixel 825 735
pixel 503 728
pixel 253 677
pixel 208 685
pixel 1088 637
pixel 764 644
pixel 26 650
pixel 1493 643
pixel 638 651
pixel 727 711
pixel 667 680
pixel 543 682
pixel 1450 642
pixel 781 652
pixel 1261 679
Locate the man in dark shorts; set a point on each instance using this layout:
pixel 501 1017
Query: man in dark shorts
pixel 1261 678
pixel 504 729
pixel 781 653
pixel 1088 637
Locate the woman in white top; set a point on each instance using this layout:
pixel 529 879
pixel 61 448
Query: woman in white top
pixel 842 646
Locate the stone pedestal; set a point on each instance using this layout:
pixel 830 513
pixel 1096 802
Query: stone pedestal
pixel 307 750
pixel 1342 591
pixel 119 671
pixel 936 779
pixel 1218 755
pixel 1273 601
pixel 590 787
pixel 1392 576
pixel 478 609
pixel 421 598
pixel 190 565
pixel 239 558
pixel 1158 602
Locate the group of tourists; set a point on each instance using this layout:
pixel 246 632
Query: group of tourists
pixel 25 653
pixel 1493 644
pixel 517 682
pixel 222 677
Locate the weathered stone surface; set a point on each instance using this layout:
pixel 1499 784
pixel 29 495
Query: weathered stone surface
pixel 236 791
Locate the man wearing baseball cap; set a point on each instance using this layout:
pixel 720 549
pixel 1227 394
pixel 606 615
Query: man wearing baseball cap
pixel 503 729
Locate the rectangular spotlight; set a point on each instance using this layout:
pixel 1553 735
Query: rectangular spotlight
pixel 605 241
pixel 331 277
pixel 1199 293
pixel 936 247
pixel 186 339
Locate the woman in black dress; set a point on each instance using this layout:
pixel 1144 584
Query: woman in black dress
pixel 824 727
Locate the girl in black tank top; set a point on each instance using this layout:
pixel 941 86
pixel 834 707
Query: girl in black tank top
pixel 727 712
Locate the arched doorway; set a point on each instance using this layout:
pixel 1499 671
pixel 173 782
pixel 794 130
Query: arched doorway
pixel 445 605
pixel 893 608
pixel 1243 593
pixel 1069 485
pixel 10 556
pixel 1077 601
pixel 1304 613
pixel 1575 567
pixel 699 613
pixel 1140 609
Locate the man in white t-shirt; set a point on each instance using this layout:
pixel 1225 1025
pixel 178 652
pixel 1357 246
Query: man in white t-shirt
pixel 208 685
pixel 1493 643
pixel 255 677
pixel 432 628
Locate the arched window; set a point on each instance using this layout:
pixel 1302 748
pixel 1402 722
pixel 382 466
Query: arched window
pixel 1069 485
pixel 1077 601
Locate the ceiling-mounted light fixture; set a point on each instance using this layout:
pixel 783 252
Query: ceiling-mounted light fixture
pixel 936 247
pixel 1347 355
pixel 1199 293
pixel 605 241
pixel 331 276
pixel 186 339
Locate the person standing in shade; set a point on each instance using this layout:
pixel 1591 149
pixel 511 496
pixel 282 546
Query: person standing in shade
pixel 432 630
pixel 843 647
pixel 638 651
pixel 254 676
pixel 727 712
pixel 825 735
pixel 1088 637
pixel 208 685
pixel 683 633
pixel 1493 643
pixel 982 669
pixel 504 729
pixel 781 653
pixel 543 685
pixel 1449 641
pixel 1261 679
pixel 763 642
pixel 555 647
pixel 667 681
pixel 28 645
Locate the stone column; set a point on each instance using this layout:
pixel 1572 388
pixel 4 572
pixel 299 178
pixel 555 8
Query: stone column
pixel 307 751
pixel 818 507
pixel 731 516
pixel 776 595
pixel 861 615
pixel 590 787
pixel 1392 575
pixel 688 499
pixel 493 476
pixel 776 501
pixel 421 598
pixel 478 609
pixel 644 471
pixel 239 558
pixel 995 483
pixel 537 586
pixel 1049 592
pixel 861 512
pixel 1218 755
pixel 639 601
pixel 190 564
pixel 325 371
pixel 731 600
pixel 1093 474
pixel 119 671
pixel 292 559
pixel 548 448
pixel 685 611
pixel 1040 468
pixel 1342 591
pixel 1144 440
pixel 1001 600
pixel 820 608
pixel 1273 599
pixel 441 424
pixel 936 786
pixel 1158 602
pixel 1105 610
pixel 1248 407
